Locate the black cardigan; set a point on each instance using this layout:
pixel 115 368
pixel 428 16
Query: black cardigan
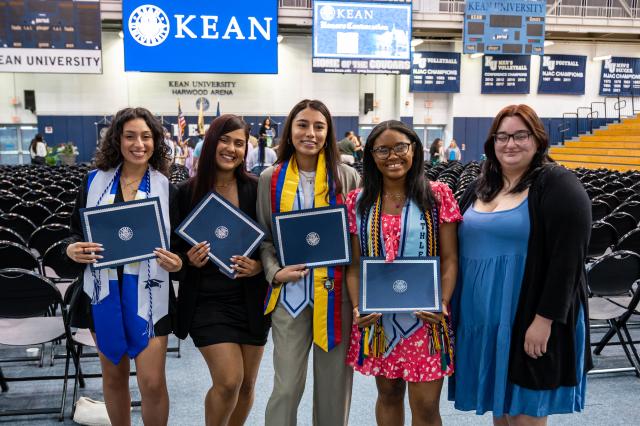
pixel 255 288
pixel 554 284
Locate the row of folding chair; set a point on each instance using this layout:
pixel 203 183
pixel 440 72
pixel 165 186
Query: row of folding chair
pixel 614 297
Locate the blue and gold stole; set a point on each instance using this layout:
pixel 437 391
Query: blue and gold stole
pixel 327 299
pixel 124 315
pixel 418 238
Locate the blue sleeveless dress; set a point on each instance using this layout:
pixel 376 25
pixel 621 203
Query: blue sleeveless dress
pixel 493 253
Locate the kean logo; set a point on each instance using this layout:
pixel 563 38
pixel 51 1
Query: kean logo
pixel 176 36
pixel 149 25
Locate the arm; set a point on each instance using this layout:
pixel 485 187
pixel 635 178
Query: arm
pixel 270 264
pixel 78 251
pixel 353 286
pixel 567 225
pixel 448 261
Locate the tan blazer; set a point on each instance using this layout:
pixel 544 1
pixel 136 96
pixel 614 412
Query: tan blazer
pixel 350 180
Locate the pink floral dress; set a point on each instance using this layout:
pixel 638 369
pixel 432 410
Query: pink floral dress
pixel 411 359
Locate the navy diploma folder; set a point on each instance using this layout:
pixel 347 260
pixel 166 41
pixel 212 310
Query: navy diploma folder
pixel 408 284
pixel 228 229
pixel 129 232
pixel 314 237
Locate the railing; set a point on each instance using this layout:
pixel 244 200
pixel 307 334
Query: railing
pixel 613 108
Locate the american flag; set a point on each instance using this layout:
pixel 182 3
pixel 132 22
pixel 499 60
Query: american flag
pixel 182 122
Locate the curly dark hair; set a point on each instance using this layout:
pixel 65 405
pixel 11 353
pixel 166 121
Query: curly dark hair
pixel 109 154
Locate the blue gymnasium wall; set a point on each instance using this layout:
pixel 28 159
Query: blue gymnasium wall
pixel 473 131
pixel 81 130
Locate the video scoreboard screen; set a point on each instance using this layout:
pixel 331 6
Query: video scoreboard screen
pixel 514 27
pixel 361 37
pixel 50 36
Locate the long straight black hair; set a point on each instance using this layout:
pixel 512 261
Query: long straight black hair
pixel 206 175
pixel 491 180
pixel 417 187
pixel 286 149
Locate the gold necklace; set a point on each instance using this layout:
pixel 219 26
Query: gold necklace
pixel 397 198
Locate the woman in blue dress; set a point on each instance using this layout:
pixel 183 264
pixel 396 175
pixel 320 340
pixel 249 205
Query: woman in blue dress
pixel 522 337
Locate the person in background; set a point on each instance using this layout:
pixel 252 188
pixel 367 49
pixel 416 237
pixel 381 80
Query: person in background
pixel 196 151
pixel 128 308
pixel 260 158
pixel 253 141
pixel 308 174
pixel 347 148
pixel 453 152
pixel 267 132
pixel 436 152
pixel 224 315
pixel 38 150
pixel 168 141
pixel 189 162
pixel 417 352
pixel 359 148
pixel 522 333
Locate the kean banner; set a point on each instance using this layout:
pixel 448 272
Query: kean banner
pixel 201 36
pixel 364 38
pixel 620 76
pixel 435 72
pixel 505 74
pixel 50 36
pixel 562 75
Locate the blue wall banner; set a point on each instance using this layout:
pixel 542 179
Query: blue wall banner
pixel 505 74
pixel 435 72
pixel 201 36
pixel 562 75
pixel 620 76
pixel 50 36
pixel 367 38
pixel 504 26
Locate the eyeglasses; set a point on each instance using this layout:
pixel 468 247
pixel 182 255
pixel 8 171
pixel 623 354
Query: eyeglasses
pixel 519 137
pixel 383 152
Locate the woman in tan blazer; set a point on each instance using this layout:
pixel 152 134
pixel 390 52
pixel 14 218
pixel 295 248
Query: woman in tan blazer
pixel 308 165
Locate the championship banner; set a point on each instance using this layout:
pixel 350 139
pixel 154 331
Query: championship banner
pixel 505 74
pixel 50 36
pixel 435 72
pixel 201 36
pixel 361 38
pixel 562 75
pixel 620 76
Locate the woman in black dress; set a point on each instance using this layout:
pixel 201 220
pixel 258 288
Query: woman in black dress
pixel 224 316
pixel 132 163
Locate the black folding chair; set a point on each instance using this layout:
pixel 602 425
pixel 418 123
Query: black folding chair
pixel 7 234
pixel 34 195
pixel 63 218
pixel 67 207
pixel 623 193
pixel 7 201
pixel 603 236
pixel 610 199
pixel 613 299
pixel 35 212
pixel 53 190
pixel 13 255
pixel 51 203
pixel 24 305
pixel 630 241
pixel 623 222
pixel 18 223
pixel 632 207
pixel 47 235
pixel 67 196
pixel 599 209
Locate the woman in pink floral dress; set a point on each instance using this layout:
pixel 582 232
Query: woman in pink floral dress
pixel 399 213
